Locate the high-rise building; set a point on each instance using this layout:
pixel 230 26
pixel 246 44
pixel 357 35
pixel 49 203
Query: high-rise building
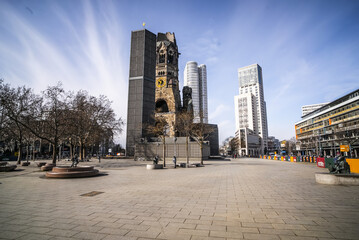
pixel 141 87
pixel 250 107
pixel 195 77
pixel 310 108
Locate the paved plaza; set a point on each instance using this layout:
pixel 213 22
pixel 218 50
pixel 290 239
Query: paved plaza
pixel 227 199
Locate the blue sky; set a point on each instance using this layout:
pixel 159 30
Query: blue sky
pixel 308 50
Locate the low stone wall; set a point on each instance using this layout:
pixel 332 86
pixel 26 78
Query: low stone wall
pixel 148 150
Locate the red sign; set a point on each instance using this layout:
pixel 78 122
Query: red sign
pixel 320 162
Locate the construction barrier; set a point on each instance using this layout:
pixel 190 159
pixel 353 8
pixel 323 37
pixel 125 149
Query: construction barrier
pixel 309 159
pixel 328 161
pixel 354 164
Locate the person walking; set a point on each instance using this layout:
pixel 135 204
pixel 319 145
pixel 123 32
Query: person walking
pixel 174 161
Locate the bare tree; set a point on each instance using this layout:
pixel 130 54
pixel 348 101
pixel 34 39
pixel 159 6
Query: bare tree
pixel 16 104
pixel 92 120
pixel 160 130
pixel 185 127
pixel 200 132
pixel 52 117
pixel 50 120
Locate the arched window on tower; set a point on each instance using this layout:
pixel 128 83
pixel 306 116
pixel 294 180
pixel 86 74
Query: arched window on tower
pixel 170 57
pixel 161 106
pixel 162 58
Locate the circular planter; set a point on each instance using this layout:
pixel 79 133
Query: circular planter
pixel 72 172
pixel 337 179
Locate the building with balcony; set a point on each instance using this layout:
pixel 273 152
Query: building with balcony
pixel 331 129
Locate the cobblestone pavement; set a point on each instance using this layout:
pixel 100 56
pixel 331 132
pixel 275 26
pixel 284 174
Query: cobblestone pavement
pixel 236 199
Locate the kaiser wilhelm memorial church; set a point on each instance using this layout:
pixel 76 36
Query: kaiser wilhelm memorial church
pixel 154 93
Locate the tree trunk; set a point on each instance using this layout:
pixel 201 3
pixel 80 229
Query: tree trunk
pixel 54 154
pixel 164 151
pixel 187 157
pixel 71 151
pixel 60 152
pixel 20 153
pixel 33 150
pixel 40 146
pixel 27 152
pixel 81 150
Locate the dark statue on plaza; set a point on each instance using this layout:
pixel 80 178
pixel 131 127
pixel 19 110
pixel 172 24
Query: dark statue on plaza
pixel 339 166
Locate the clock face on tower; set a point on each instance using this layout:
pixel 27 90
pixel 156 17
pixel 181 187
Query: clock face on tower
pixel 161 82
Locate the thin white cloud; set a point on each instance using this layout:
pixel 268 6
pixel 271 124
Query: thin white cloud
pixel 204 46
pixel 92 59
pixel 220 110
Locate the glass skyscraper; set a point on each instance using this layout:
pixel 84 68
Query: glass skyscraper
pixel 195 77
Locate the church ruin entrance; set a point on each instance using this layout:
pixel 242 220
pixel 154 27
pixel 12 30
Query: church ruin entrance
pixel 161 106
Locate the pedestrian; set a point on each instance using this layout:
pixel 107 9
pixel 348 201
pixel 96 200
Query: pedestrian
pixel 155 161
pixel 75 161
pixel 174 161
pixel 99 158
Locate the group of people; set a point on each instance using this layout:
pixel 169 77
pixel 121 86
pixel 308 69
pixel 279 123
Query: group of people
pixel 174 159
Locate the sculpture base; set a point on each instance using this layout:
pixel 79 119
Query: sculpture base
pixel 337 179
pixel 154 166
pixel 72 172
pixel 47 167
pixel 40 164
pixel 7 168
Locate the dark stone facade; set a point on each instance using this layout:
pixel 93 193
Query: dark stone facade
pixel 141 87
pixel 213 140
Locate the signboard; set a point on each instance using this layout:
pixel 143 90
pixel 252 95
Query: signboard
pixel 344 148
pixel 321 162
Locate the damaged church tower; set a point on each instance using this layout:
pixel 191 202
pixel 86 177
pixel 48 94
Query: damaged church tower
pixel 167 96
